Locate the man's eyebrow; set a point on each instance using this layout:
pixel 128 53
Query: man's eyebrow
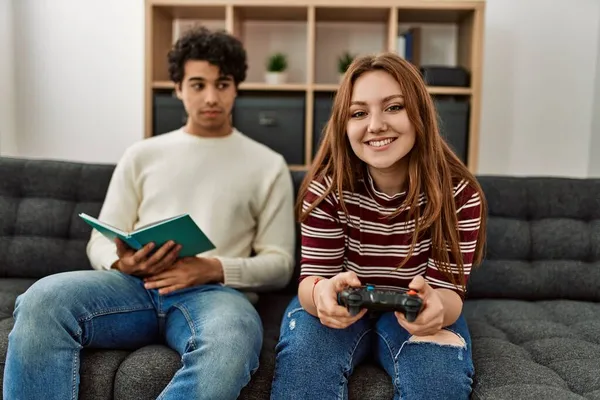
pixel 219 79
pixel 388 98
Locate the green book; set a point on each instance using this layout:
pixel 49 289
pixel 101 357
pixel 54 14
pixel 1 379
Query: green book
pixel 181 229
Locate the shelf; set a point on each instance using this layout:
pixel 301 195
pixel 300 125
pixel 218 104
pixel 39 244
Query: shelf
pixel 267 87
pixel 450 91
pixel 194 12
pixel 169 22
pixel 163 85
pixel 296 167
pixel 436 90
pixel 352 14
pixel 442 33
pixel 313 34
pixel 356 30
pixel 326 87
pixel 268 30
pixel 454 14
pixel 259 86
pixel 265 13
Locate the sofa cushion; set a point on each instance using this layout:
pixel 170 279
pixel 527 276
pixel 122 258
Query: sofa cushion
pixel 40 231
pixel 145 372
pixel 547 349
pixel 543 239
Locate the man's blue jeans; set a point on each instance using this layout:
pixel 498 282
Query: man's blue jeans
pixel 315 362
pixel 217 331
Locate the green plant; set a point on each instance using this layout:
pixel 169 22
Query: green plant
pixel 344 61
pixel 277 62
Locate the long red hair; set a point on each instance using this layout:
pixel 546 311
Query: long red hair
pixel 433 168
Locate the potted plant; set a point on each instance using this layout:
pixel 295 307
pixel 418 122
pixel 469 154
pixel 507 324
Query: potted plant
pixel 344 62
pixel 276 69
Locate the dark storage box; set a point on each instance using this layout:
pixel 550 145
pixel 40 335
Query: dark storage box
pixel 168 114
pixel 445 76
pixel 322 112
pixel 453 117
pixel 277 121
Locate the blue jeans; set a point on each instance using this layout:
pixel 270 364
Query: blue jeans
pixel 315 362
pixel 215 329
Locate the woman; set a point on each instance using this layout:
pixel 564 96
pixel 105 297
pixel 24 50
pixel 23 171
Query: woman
pixel 386 203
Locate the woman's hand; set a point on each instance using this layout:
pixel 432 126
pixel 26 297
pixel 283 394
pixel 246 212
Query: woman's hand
pixel 329 312
pixel 431 319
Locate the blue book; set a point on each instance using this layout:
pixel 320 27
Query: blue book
pixel 181 229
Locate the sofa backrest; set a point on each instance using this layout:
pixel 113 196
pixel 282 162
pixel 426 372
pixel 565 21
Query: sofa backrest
pixel 40 231
pixel 543 236
pixel 543 239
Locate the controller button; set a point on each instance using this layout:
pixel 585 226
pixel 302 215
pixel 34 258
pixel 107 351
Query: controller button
pixel 354 297
pixel 370 287
pixel 412 292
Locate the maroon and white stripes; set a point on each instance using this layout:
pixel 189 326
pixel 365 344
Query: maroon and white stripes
pixel 373 245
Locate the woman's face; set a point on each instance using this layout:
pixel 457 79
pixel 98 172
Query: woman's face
pixel 378 129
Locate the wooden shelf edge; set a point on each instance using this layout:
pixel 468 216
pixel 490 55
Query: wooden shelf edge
pixel 450 90
pixel 296 167
pixel 163 85
pixel 439 90
pixel 258 86
pixel 317 3
pixel 267 87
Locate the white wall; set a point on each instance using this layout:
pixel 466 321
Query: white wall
pixel 538 87
pixel 594 156
pixel 8 145
pixel 80 83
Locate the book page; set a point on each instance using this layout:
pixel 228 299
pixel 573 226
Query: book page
pixel 151 224
pixel 103 224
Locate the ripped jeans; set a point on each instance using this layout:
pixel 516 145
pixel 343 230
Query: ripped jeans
pixel 315 362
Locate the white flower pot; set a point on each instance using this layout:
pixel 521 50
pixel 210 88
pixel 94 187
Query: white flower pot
pixel 276 78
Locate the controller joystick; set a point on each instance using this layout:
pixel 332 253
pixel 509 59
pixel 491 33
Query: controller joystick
pixel 372 298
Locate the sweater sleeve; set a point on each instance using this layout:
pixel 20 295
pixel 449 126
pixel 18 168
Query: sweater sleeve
pixel 119 210
pixel 323 236
pixel 273 263
pixel 468 211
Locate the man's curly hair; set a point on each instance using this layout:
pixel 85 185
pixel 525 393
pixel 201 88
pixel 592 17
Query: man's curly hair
pixel 216 47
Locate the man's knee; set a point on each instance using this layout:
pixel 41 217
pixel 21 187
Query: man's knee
pixel 39 300
pixel 443 337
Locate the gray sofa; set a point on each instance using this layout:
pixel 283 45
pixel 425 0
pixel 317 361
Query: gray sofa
pixel 533 306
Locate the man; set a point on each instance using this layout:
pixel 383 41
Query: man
pixel 237 190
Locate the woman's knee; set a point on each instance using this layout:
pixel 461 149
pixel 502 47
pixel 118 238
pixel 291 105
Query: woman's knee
pixel 303 337
pixel 449 369
pixel 443 337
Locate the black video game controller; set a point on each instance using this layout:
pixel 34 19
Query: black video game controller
pixel 371 298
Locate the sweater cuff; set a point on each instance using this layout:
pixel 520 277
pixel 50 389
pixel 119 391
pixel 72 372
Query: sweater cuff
pixel 108 260
pixel 232 271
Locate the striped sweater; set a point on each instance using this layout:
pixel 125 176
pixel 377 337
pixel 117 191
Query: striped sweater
pixel 372 245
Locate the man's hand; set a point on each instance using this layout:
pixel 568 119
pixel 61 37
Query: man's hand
pixel 139 263
pixel 186 272
pixel 431 319
pixel 330 313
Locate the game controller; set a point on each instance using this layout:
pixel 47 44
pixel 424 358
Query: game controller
pixel 371 298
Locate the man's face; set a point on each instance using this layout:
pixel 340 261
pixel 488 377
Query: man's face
pixel 208 98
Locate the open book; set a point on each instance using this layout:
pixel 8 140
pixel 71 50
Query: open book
pixel 181 229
